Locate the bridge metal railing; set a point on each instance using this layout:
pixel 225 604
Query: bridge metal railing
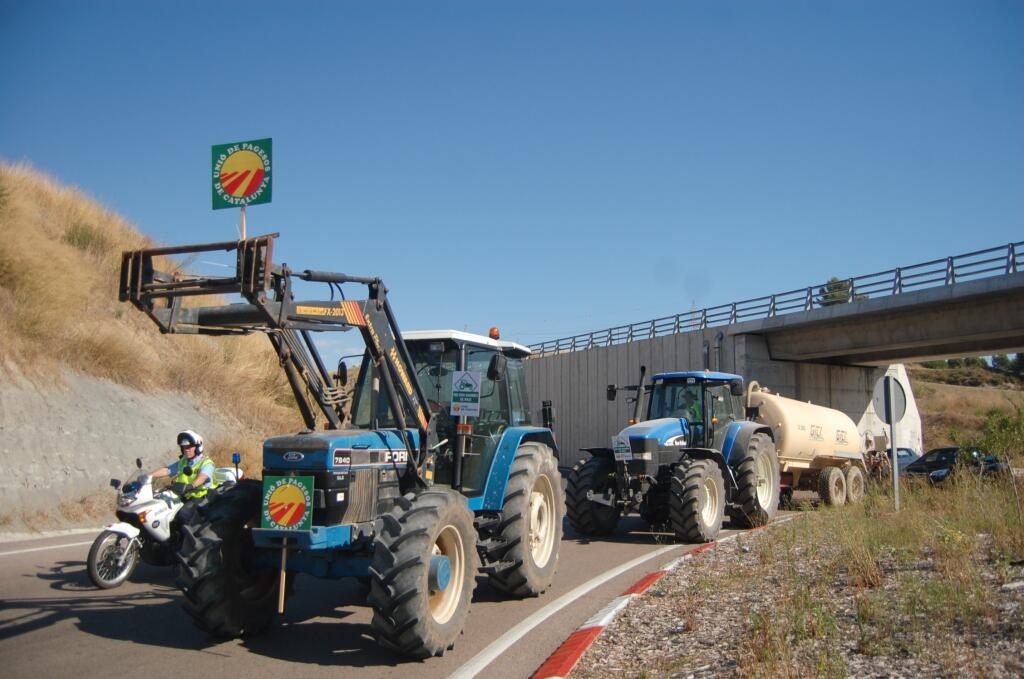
pixel 997 261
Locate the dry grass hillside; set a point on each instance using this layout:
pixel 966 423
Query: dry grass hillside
pixel 956 402
pixel 59 263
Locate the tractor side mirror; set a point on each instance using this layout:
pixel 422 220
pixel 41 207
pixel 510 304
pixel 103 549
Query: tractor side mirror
pixel 496 368
pixel 341 377
pixel 736 388
pixel 610 392
pixel 138 462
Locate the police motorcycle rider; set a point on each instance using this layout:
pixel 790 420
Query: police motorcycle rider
pixel 192 473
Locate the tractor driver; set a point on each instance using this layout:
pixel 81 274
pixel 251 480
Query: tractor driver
pixel 193 471
pixel 688 406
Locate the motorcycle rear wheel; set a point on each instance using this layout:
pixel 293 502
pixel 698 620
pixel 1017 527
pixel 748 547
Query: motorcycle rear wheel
pixel 104 555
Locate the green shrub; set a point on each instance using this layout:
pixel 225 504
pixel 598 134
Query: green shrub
pixel 1002 433
pixel 86 238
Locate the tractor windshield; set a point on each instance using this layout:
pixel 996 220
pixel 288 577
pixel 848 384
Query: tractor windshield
pixel 677 399
pixel 434 363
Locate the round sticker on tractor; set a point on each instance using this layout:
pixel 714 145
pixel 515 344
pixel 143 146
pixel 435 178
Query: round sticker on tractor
pixel 285 503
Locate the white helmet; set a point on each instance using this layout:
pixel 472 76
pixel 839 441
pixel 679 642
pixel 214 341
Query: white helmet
pixel 191 438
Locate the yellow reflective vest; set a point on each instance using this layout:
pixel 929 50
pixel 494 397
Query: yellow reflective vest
pixel 182 472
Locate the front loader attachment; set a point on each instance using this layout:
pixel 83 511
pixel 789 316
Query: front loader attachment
pixel 270 307
pixel 142 285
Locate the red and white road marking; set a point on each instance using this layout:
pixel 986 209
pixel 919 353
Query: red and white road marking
pixel 561 662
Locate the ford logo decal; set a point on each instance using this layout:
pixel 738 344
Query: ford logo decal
pixel 293 456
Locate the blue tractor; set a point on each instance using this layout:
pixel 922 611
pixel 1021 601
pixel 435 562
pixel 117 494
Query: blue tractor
pixel 424 473
pixel 695 458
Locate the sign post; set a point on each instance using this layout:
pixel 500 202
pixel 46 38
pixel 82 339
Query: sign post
pixel 890 401
pixel 241 175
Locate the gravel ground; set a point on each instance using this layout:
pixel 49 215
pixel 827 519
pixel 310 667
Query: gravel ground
pixel 705 619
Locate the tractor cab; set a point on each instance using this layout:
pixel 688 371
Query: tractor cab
pixel 707 401
pixel 475 388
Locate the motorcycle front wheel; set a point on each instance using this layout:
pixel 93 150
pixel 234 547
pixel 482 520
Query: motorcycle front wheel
pixel 107 568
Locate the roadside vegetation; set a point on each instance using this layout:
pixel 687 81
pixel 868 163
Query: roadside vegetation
pixel 936 589
pixel 928 582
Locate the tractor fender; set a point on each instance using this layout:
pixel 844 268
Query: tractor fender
pixel 737 437
pixel 602 452
pixel 497 478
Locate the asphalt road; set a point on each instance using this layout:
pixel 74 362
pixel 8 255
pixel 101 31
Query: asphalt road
pixel 54 623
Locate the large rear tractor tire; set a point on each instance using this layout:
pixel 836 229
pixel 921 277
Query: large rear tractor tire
pixel 757 478
pixel 856 484
pixel 530 528
pixel 112 559
pixel 591 518
pixel 423 572
pixel 832 486
pixel 697 501
pixel 226 595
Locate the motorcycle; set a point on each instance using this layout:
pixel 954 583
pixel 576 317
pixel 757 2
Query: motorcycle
pixel 146 530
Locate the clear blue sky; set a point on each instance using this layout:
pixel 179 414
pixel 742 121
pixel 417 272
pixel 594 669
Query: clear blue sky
pixel 547 167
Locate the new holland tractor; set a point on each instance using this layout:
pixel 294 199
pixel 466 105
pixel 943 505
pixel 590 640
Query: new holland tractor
pixel 425 473
pixel 694 459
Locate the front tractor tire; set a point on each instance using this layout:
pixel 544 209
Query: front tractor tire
pixel 422 575
pixel 697 500
pixel 587 517
pixel 224 593
pixel 530 528
pixel 758 481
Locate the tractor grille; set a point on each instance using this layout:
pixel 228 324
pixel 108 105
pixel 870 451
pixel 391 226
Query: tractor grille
pixel 350 496
pixel 363 498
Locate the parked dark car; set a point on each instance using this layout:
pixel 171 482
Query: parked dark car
pixel 880 468
pixel 904 456
pixel 936 465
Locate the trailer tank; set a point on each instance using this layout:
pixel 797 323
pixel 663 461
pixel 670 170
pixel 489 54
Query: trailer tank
pixel 811 441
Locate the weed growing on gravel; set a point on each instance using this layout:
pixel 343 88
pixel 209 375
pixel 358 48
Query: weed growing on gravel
pixel 767 644
pixel 898 576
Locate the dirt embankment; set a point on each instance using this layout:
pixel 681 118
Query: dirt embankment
pixel 63 440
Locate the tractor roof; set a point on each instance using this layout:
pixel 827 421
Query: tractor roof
pixel 511 348
pixel 697 374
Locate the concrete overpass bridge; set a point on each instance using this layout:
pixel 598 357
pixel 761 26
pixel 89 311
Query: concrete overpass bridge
pixel 827 344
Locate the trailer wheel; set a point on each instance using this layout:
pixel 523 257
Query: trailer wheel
pixel 757 479
pixel 832 486
pixel 226 595
pixel 855 484
pixel 587 517
pixel 423 572
pixel 531 523
pixel 697 500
